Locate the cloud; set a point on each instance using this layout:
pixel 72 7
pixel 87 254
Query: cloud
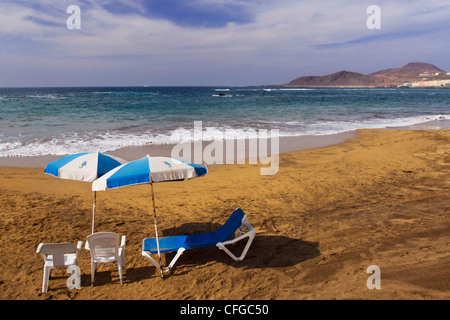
pixel 376 38
pixel 198 41
pixel 205 14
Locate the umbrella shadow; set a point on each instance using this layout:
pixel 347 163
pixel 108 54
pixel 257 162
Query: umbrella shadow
pixel 266 251
pixel 136 274
pixel 130 275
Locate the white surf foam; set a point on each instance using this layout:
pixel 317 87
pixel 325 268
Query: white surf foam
pixel 110 141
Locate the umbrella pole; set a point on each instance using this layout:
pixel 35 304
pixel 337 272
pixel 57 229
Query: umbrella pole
pixel 156 229
pixel 93 211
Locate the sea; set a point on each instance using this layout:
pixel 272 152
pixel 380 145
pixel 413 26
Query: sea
pixel 60 121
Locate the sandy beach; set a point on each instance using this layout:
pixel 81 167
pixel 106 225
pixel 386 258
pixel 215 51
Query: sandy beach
pixel 381 198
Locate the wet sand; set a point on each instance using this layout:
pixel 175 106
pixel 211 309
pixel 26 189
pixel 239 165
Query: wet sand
pixel 381 198
pixel 242 154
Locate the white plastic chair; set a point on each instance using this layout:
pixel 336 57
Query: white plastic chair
pixel 105 247
pixel 57 255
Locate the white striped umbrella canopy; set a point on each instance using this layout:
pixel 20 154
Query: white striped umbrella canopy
pixel 149 170
pixel 87 166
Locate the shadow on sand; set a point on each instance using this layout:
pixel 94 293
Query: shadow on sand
pixel 266 251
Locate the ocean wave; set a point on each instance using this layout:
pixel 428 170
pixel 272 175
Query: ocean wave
pixel 125 93
pixel 46 96
pixel 335 127
pixel 62 146
pixel 222 95
pixel 110 141
pixel 296 89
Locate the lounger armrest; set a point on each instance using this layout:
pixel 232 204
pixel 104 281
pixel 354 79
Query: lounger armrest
pixel 248 226
pixel 79 245
pixel 250 234
pixel 123 241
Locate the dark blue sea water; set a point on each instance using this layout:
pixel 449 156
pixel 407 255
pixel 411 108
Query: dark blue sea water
pixel 43 121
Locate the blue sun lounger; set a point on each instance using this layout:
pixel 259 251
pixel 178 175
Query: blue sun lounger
pixel 219 238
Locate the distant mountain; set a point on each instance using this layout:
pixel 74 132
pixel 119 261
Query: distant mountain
pixel 341 78
pixel 414 71
pixel 410 72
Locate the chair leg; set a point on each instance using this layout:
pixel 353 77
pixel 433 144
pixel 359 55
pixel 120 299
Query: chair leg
pixel 119 267
pixel 93 267
pixel 122 261
pixel 45 279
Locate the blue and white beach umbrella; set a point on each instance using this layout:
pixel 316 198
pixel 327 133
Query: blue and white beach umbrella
pixel 149 170
pixel 84 167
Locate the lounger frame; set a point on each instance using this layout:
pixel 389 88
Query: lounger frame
pixel 240 233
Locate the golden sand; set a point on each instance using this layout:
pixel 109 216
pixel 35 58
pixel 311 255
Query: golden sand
pixel 382 198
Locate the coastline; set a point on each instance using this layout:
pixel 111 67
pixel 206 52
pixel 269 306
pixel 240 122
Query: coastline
pixel 379 198
pixel 286 144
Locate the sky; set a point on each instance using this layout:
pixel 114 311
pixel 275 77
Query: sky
pixel 213 42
